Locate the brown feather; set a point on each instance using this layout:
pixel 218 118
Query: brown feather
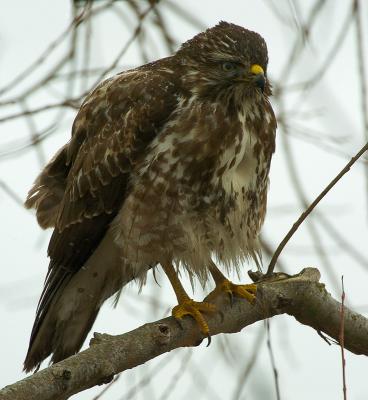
pixel 48 189
pixel 91 174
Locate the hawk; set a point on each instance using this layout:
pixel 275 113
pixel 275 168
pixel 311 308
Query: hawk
pixel 167 166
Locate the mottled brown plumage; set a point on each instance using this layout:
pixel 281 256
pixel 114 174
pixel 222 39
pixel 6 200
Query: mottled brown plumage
pixel 168 164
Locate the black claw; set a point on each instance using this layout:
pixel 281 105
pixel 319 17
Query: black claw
pixel 209 340
pixel 154 276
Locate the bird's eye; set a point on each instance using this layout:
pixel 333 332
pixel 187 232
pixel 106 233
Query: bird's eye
pixel 228 66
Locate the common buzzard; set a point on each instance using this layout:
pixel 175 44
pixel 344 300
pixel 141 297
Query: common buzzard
pixel 167 166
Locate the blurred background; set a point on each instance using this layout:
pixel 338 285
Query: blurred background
pixel 53 53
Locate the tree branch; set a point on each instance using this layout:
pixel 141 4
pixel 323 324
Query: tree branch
pixel 301 296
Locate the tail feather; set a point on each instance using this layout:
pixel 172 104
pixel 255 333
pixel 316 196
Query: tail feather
pixel 57 336
pixel 74 342
pixel 70 312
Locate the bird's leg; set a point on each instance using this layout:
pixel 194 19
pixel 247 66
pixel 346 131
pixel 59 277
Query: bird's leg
pixel 248 291
pixel 187 306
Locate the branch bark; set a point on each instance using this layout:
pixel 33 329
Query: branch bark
pixel 301 296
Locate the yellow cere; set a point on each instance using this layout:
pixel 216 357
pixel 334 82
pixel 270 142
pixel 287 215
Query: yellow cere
pixel 256 69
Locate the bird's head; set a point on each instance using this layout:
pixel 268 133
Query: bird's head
pixel 226 61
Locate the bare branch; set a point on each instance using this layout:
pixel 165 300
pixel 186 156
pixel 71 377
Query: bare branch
pixel 250 363
pixel 273 360
pixel 86 14
pixel 336 47
pixel 301 296
pixel 305 214
pixel 126 46
pixel 10 192
pixel 71 103
pixel 189 17
pixel 342 337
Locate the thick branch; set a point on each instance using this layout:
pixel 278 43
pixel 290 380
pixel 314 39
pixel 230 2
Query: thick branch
pixel 301 296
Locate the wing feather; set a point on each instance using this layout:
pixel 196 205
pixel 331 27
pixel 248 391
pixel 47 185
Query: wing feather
pixel 110 133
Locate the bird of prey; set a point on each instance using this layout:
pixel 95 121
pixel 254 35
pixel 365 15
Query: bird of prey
pixel 167 167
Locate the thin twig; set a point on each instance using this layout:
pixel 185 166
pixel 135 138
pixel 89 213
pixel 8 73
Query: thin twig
pixel 44 56
pixel 343 242
pixel 126 46
pixel 342 337
pixel 320 72
pixel 248 368
pixel 146 379
pixel 175 379
pixel 16 147
pixel 201 379
pixel 305 214
pixel 34 135
pixel 304 200
pixel 299 45
pixel 71 103
pixel 86 50
pixel 319 139
pixel 10 192
pixel 272 359
pixel 107 387
pixel 267 249
pixel 86 13
pixel 279 14
pixel 183 13
pixel 297 17
pixel 142 36
pixel 90 72
pixel 161 23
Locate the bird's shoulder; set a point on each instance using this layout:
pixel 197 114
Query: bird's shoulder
pixel 114 126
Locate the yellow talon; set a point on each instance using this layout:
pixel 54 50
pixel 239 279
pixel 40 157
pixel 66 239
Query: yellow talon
pixel 194 309
pixel 186 305
pixel 247 292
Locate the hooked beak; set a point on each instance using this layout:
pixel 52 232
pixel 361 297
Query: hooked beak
pixel 259 76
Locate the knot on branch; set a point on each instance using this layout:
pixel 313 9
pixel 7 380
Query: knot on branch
pixel 62 373
pixel 162 334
